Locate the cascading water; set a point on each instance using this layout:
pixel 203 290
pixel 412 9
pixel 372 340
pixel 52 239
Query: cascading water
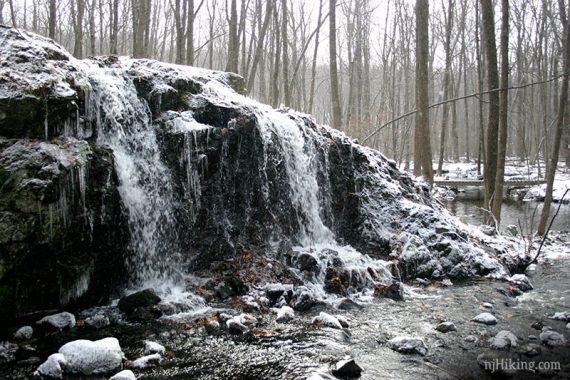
pixel 123 122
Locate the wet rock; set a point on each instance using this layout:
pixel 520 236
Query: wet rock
pixel 487 305
pixel 142 299
pixel 504 340
pixel 98 357
pixel 446 327
pixel 284 314
pixel 52 368
pixel 126 374
pixel 24 333
pixel 395 291
pixel 346 368
pixel 531 350
pixel 487 230
pixel 471 339
pixel 552 338
pixel 348 304
pixel 561 316
pixel 327 320
pixel 151 347
pixel 521 281
pixel 274 292
pixel 211 323
pixel 57 322
pixel 304 301
pixel 538 325
pixel 235 326
pixel 148 361
pixel 230 287
pixel 485 318
pixel 7 352
pixel 342 320
pixel 307 262
pixel 496 362
pixel 408 345
pixel 97 322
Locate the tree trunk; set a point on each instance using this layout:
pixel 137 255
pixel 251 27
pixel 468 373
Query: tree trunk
pixel 559 128
pixel 490 171
pixel 233 40
pixel 503 108
pixel 259 47
pixel 190 34
pixel 285 40
pixel 422 135
pixel 114 27
pixel 446 85
pixel 78 29
pixel 335 96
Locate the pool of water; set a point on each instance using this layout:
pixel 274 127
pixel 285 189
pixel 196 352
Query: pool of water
pixel 526 215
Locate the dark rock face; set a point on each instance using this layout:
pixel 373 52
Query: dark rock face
pixel 232 175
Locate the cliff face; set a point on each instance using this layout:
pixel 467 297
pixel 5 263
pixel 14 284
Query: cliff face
pixel 116 171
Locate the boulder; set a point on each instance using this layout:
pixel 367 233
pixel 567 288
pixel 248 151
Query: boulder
pixel 521 281
pixel 147 361
pixel 552 338
pixel 57 322
pixel 561 316
pixel 52 368
pixel 97 321
pixel 151 347
pixel 346 368
pixel 504 340
pixel 140 299
pixel 446 327
pixel 327 320
pixel 126 374
pixel 408 345
pixel 87 357
pixel 284 314
pixel 485 318
pixel 24 333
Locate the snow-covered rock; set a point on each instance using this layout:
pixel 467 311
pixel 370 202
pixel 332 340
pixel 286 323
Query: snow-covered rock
pixel 151 347
pixel 346 368
pixel 7 352
pixel 342 320
pixel 504 339
pixel 284 314
pixel 521 281
pixel 241 323
pixel 126 374
pixel 87 357
pixel 561 316
pixel 552 338
pixel 487 305
pixel 59 321
pixel 485 318
pixel 445 327
pixel 147 361
pixel 327 320
pixel 24 333
pixel 52 367
pixel 408 345
pixel 97 321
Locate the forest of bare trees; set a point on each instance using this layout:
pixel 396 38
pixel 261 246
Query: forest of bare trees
pixel 352 64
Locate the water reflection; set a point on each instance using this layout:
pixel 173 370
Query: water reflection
pixel 467 206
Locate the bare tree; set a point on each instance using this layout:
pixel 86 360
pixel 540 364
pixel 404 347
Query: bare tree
pixel 422 135
pixel 446 82
pixel 503 115
pixel 233 41
pixel 559 122
pixel 335 97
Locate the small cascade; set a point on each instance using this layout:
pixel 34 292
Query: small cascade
pixel 123 122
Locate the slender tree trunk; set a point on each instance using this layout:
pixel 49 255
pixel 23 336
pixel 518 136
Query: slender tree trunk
pixel 190 34
pixel 285 40
pixel 493 83
pixel 2 10
pixel 314 62
pixel 233 40
pixel 13 13
pixel 78 26
pixel 52 19
pixel 422 136
pixel 503 116
pixel 559 127
pixel 446 86
pixel 114 27
pixel 335 96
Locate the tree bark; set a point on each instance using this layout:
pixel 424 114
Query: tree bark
pixel 52 19
pixel 335 96
pixel 503 116
pixel 233 40
pixel 422 135
pixel 490 171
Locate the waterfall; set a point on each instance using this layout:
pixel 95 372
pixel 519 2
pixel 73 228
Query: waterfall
pixel 123 122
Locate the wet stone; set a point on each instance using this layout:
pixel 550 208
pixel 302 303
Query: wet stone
pixel 97 321
pixel 538 325
pixel 504 340
pixel 485 318
pixel 552 338
pixel 24 333
pixel 530 350
pixel 147 361
pixel 446 327
pixel 144 298
pixel 408 345
pixel 346 369
pixel 348 304
pixel 57 322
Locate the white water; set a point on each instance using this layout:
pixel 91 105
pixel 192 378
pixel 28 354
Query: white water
pixel 124 124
